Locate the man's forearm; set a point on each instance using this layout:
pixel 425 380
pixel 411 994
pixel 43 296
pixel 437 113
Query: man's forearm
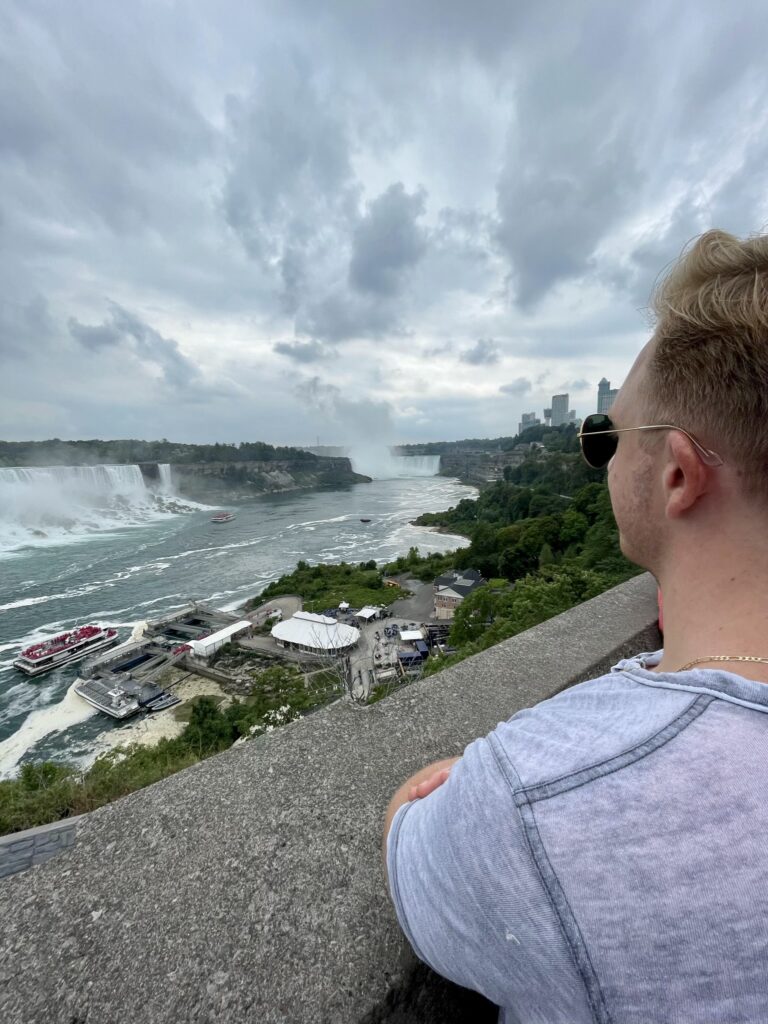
pixel 402 795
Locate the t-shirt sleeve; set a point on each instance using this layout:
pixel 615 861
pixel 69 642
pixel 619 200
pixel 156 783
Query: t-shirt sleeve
pixel 467 892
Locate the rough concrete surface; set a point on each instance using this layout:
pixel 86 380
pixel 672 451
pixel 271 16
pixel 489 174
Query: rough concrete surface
pixel 250 887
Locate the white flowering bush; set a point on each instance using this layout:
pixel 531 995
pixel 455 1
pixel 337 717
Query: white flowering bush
pixel 273 719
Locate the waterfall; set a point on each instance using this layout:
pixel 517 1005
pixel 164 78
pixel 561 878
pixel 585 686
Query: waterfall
pixel 166 483
pixel 59 503
pixel 381 464
pixel 417 465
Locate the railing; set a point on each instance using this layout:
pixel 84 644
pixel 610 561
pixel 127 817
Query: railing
pixel 250 887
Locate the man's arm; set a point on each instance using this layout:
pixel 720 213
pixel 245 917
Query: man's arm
pixel 418 786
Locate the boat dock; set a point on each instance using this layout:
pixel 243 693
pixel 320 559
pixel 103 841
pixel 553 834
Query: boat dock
pixel 125 680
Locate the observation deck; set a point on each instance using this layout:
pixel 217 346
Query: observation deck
pixel 250 886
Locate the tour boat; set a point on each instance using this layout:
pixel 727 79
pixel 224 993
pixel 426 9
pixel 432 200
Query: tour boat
pixel 63 649
pixel 223 517
pixel 116 701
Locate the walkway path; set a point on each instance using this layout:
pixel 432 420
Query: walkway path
pixel 288 604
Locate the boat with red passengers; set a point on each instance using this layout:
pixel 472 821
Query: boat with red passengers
pixel 222 517
pixel 64 648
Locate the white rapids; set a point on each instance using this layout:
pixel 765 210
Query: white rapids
pixel 51 504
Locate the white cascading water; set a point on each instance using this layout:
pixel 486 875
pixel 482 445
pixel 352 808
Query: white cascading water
pixel 166 483
pixel 381 464
pixel 47 504
pixel 417 465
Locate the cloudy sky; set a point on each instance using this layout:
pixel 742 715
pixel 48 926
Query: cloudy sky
pixel 399 221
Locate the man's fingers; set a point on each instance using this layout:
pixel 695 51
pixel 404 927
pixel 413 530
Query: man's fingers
pixel 429 785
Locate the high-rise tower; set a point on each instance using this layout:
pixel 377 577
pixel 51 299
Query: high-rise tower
pixel 606 395
pixel 559 410
pixel 529 419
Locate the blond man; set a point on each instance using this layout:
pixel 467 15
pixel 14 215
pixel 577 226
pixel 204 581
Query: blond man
pixel 601 856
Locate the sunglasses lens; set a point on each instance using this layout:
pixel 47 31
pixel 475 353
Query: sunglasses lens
pixel 598 448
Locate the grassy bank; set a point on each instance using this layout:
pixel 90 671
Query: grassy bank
pixel 326 586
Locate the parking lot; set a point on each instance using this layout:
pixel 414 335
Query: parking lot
pixel 419 607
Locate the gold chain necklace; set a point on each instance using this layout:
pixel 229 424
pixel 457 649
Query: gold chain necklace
pixel 723 657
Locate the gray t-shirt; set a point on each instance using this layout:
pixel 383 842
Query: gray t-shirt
pixel 602 856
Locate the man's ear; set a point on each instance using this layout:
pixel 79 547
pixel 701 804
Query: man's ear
pixel 685 477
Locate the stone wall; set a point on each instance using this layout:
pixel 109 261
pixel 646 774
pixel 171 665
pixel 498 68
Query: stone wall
pixel 22 850
pixel 250 886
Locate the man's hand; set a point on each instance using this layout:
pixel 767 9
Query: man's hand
pixel 429 785
pixel 416 788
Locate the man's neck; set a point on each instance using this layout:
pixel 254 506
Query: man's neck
pixel 717 605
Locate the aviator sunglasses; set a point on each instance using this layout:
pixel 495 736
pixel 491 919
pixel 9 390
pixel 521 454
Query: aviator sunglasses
pixel 599 440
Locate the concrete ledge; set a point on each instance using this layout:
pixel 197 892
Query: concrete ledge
pixel 250 887
pixel 22 850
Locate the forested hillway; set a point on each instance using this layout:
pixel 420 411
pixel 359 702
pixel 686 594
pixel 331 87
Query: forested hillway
pixel 545 538
pixel 125 452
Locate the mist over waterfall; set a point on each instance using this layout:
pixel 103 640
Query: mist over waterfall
pixel 381 463
pixel 57 503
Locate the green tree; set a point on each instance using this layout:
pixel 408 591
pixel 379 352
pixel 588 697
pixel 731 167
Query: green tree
pixel 208 729
pixel 573 526
pixel 546 556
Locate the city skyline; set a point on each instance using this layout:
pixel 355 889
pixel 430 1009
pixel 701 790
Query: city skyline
pixel 559 412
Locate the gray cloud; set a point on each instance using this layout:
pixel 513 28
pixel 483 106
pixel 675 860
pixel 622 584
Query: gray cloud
pixel 95 336
pixel 388 241
pixel 572 166
pixel 351 418
pixel 485 352
pixel 289 175
pixel 301 351
pixel 25 328
pixel 355 178
pixel 342 315
pixel 123 329
pixel 517 387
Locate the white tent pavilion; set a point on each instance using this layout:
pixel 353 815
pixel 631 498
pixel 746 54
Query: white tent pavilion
pixel 343 606
pixel 316 634
pixel 369 612
pixel 208 645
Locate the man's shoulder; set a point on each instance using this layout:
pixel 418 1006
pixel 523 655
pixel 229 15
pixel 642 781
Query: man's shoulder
pixel 585 725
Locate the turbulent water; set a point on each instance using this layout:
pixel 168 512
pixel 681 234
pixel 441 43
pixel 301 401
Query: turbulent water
pixel 118 571
pixel 47 505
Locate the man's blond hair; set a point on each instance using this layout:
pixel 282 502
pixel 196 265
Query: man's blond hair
pixel 709 368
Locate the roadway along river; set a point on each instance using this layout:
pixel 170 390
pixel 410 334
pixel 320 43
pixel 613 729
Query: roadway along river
pixel 121 577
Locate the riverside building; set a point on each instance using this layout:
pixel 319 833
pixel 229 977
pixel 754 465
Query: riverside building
pixel 451 588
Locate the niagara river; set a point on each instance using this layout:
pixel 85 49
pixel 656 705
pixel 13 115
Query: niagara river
pixel 128 557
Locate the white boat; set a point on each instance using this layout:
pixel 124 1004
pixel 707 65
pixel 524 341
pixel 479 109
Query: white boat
pixel 223 517
pixel 63 649
pixel 114 700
